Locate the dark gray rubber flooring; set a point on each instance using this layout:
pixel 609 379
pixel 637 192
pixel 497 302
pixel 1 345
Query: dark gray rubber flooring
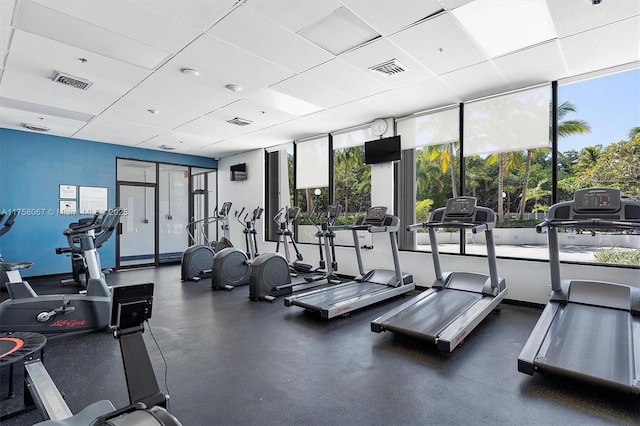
pixel 236 362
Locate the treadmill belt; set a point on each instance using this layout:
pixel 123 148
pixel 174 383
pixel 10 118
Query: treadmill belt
pixel 593 343
pixel 332 295
pixel 428 319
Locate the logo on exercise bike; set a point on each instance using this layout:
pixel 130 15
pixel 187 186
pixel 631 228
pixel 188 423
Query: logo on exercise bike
pixel 68 323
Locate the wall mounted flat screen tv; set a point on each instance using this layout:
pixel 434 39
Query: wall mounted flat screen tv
pixel 239 172
pixel 382 150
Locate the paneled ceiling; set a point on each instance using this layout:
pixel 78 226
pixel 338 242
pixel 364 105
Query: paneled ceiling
pixel 299 67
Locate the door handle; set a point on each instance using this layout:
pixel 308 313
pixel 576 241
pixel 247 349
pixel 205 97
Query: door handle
pixel 119 228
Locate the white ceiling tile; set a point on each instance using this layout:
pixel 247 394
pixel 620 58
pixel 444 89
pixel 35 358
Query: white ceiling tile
pixel 431 93
pixel 59 56
pixel 424 41
pixel 358 111
pixel 129 19
pixel 295 14
pixel 217 54
pixel 253 32
pixel 13 118
pixel 603 47
pixel 522 68
pixel 388 17
pixel 128 110
pixel 261 116
pixel 111 130
pixel 380 51
pixel 37 19
pixel 200 14
pixel 5 36
pixel 184 88
pixel 212 128
pixel 6 12
pixel 346 78
pixel 36 87
pixel 393 103
pixel 283 102
pixel 465 81
pixel 572 17
pixel 182 142
pixel 310 91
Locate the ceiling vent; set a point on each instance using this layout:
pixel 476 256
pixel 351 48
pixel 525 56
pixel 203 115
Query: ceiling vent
pixel 167 147
pixel 391 67
pixel 240 121
pixel 35 128
pixel 72 81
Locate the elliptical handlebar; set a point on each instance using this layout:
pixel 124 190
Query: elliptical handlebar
pixel 9 222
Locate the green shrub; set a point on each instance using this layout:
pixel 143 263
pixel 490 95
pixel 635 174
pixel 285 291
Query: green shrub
pixel 423 210
pixel 618 256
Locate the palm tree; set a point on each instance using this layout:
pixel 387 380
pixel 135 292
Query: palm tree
pixel 634 132
pixel 347 158
pixel 565 128
pixel 507 161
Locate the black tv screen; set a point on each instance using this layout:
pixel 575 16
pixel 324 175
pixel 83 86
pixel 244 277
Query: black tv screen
pixel 239 172
pixel 382 150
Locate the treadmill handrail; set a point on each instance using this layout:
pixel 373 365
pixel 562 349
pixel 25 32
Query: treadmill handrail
pixel 475 227
pixel 595 222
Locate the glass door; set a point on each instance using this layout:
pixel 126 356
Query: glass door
pixel 137 234
pixel 173 187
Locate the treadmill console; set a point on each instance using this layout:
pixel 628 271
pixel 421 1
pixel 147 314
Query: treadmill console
pixel 375 216
pixel 460 207
pixel 596 200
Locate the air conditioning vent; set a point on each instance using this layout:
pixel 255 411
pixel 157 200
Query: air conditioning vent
pixel 167 147
pixel 240 121
pixel 389 68
pixel 69 80
pixel 35 128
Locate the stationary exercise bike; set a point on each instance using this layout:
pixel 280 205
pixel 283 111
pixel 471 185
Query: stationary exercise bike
pixel 232 266
pixel 27 311
pixel 132 306
pixel 197 259
pixel 79 271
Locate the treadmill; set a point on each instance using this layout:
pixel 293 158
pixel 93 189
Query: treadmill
pixel 368 287
pixel 589 330
pixel 457 301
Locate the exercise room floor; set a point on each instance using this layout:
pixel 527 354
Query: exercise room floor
pixel 236 362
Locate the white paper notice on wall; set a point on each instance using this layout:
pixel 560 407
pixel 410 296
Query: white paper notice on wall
pixel 69 207
pixel 93 199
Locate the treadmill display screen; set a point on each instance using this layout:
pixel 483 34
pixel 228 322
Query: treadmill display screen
pixel 375 215
pixel 461 206
pixel 604 199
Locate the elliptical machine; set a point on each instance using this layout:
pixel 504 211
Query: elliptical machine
pixel 270 272
pixel 27 311
pixel 197 260
pixel 284 218
pixel 232 266
pixel 78 262
pixel 8 224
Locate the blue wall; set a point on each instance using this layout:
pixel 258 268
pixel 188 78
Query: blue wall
pixel 32 166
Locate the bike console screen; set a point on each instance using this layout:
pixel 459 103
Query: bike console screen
pixel 461 207
pixel 597 199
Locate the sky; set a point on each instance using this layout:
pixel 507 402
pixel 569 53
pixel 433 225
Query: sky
pixel 611 106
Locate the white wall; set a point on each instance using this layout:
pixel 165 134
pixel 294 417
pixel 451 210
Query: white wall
pixel 247 193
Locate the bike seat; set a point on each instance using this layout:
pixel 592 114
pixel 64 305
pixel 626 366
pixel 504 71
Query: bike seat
pixel 15 266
